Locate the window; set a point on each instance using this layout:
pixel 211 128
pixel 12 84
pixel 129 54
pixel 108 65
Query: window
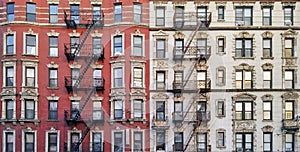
pixel 244 142
pixel 74 13
pixel 96 13
pixel 74 44
pixel 221 45
pixel 75 75
pixel 97 78
pixel 202 46
pixel 160 16
pixel 30 12
pixel 118 77
pixel 53 46
pixel 118 45
pixel 267 79
pixel 179 16
pixel 243 79
pixel 220 139
pixel 201 79
pixel 267 16
pixel 179 48
pixel 137 11
pixel 97 110
pixel 201 142
pixel 9 142
pixel 74 140
pixel 243 48
pixel 201 111
pixel 178 111
pixel 118 142
pixel 289 79
pixel 97 142
pixel 289 110
pixel 118 12
pixel 160 111
pixel 268 144
pixel 53 13
pixel 221 13
pixel 97 46
pixel 243 16
pixel 221 76
pixel 160 80
pixel 202 13
pixel 288 16
pixel 289 142
pixel 30 77
pixel 221 108
pixel 160 140
pixel 10 12
pixel 29 142
pixel 30 45
pixel 267 110
pixel 138 141
pixel 178 141
pixel 53 110
pixel 52 142
pixel 267 47
pixel 9 109
pixel 289 47
pixel 10 73
pixel 178 79
pixel 244 110
pixel 10 44
pixel 118 109
pixel 138 108
pixel 53 78
pixel 137 46
pixel 29 109
pixel 137 77
pixel 75 109
pixel 160 48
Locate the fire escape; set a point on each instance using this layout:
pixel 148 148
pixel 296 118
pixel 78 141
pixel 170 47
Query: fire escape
pixel 191 117
pixel 87 54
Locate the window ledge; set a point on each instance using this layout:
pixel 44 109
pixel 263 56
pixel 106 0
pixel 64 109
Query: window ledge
pixel 160 58
pixel 13 121
pixel 112 121
pixel 30 55
pixel 265 120
pixel 292 57
pixel 221 147
pixel 116 56
pixel 221 20
pixel 35 121
pixel 53 88
pixel 53 56
pixel 220 116
pixel 271 58
pixel 243 58
pixel 52 120
pixel 9 55
pixel 221 53
pixel 138 120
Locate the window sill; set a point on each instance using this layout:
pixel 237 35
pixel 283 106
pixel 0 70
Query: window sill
pixel 221 20
pixel 291 57
pixel 265 120
pixel 220 116
pixel 221 147
pixel 221 53
pixel 49 120
pixel 263 58
pixel 243 58
pixel 35 121
pixel 33 55
pixel 112 121
pixel 9 55
pixel 132 120
pixel 53 56
pixel 160 58
pixel 13 121
pixel 116 56
pixel 52 88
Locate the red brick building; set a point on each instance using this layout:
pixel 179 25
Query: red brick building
pixel 74 75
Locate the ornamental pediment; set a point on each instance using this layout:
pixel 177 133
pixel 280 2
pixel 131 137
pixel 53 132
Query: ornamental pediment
pixel 29 92
pixel 160 96
pixel 244 96
pixel 290 95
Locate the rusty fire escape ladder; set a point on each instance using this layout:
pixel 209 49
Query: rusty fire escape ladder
pixel 86 34
pixel 87 98
pixel 86 131
pixel 90 60
pixel 191 37
pixel 187 77
pixel 192 134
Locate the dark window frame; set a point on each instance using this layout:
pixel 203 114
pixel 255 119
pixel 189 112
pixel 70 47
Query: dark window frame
pixel 96 12
pixel 9 109
pixel 28 78
pixel 288 18
pixel 29 146
pixel 178 141
pixel 268 81
pixel 244 50
pixel 53 113
pixel 9 77
pixel 118 142
pixel 160 140
pixel 160 20
pixel 268 142
pixel 137 142
pixel 118 45
pixel 75 13
pixel 30 14
pixel 118 12
pixel 137 48
pixel 267 19
pixel 29 112
pixel 10 47
pixel 10 7
pixel 51 142
pixel 244 111
pixel 243 141
pixel 97 143
pixel 9 144
pixel 247 20
pixel 288 142
pixel 221 12
pixel 53 80
pixel 161 51
pixel 269 111
pixel 53 46
pixel 267 50
pixel 137 16
pixel 160 111
pixel 53 13
pixel 161 85
pixel 118 79
pixel 119 110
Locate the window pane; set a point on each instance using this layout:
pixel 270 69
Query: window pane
pixel 288 75
pixel 239 76
pixel 248 75
pixel 238 106
pixel 267 106
pixel 267 75
pixel 289 106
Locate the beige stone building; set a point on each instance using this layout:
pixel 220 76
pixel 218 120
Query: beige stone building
pixel 224 75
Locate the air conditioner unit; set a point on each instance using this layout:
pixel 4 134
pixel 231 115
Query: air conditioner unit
pixel 240 23
pixel 288 23
pixel 239 149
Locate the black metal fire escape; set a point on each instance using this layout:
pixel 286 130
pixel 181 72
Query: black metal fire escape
pixel 74 84
pixel 191 53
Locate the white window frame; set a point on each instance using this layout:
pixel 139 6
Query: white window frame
pixel 113 53
pixel 113 139
pixel 142 140
pixel 29 64
pixel 142 45
pixel 113 109
pixel 113 79
pixel 163 17
pixel 136 13
pixel 4 139
pixel 24 140
pixel 267 77
pixel 5 65
pixel 25 44
pixel 47 137
pixel 142 110
pixel 243 78
pixel 23 100
pixel 97 110
pixel 69 138
pixel 134 78
pixel 92 141
pixel 53 77
pixel 53 50
pixel 289 78
pixel 9 32
pixel 52 110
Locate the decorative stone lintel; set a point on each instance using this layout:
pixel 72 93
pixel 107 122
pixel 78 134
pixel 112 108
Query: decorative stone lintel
pixel 244 126
pixel 290 95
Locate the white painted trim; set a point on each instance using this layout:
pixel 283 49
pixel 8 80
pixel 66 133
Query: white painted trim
pixel 46 140
pixel 4 139
pixel 23 139
pixel 113 139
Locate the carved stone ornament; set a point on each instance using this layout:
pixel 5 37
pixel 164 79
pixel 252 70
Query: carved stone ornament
pixel 96 34
pixel 96 2
pixel 244 34
pixel 267 4
pixel 289 33
pixel 53 97
pixel 201 67
pixel 267 97
pixel 178 35
pixel 267 34
pixel 178 67
pixel 8 92
pixel 30 31
pixel 29 92
pixel 267 128
pixel 53 1
pixel 244 126
pixel 9 31
pixel 53 33
pixel 160 96
pixel 74 34
pixel 161 64
pixel 244 66
pixel 290 95
pixel 244 97
pixel 74 2
pixel 161 33
pixel 178 98
pixel 52 65
pixel 179 3
pixel 290 4
pixel 201 35
pixel 267 66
